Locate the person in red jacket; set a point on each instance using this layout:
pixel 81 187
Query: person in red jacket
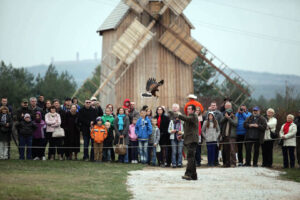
pixel 126 104
pixel 98 134
pixel 192 101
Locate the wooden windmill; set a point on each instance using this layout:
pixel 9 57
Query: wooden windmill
pixel 150 38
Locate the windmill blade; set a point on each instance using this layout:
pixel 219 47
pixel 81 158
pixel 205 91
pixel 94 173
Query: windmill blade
pixel 135 6
pixel 180 49
pixel 177 6
pixel 132 42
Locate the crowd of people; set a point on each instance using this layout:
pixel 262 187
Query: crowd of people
pixel 156 139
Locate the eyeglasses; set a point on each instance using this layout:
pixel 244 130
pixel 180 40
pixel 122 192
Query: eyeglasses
pixel 87 102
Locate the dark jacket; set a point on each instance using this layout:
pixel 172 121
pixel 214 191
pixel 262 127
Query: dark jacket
pixel 191 128
pixel 21 112
pixel 123 132
pixel 86 116
pixel 164 129
pixel 72 132
pixel 297 122
pixel 108 142
pixel 26 128
pixel 5 132
pixel 232 126
pixel 255 133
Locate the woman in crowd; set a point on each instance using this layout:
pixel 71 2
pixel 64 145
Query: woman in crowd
pixel 5 131
pixel 47 106
pixel 121 128
pixel 211 132
pixel 72 133
pixel 149 113
pixel 164 142
pixel 267 146
pixel 53 122
pixel 288 135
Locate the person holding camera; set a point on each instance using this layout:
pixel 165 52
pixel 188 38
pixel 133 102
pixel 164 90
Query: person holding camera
pixel 256 126
pixel 241 116
pixel 228 137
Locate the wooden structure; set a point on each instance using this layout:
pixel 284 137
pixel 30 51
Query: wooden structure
pixel 149 38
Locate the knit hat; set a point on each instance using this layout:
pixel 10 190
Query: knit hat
pixel 211 113
pixel 98 119
pixel 27 116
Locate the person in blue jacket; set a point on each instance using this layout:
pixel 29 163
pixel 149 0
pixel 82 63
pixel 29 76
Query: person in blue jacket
pixel 241 115
pixel 143 129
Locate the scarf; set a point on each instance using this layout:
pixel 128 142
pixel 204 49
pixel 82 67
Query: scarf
pixel 4 118
pixel 158 121
pixel 177 127
pixel 286 127
pixel 121 121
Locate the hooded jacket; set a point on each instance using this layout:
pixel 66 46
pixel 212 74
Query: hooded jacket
pixel 99 133
pixel 40 126
pixel 241 117
pixel 143 128
pixel 124 104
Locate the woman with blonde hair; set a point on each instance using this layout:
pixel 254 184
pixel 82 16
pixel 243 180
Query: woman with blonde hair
pixel 288 135
pixel 270 134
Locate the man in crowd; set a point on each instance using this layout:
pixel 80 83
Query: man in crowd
pixel 133 113
pixel 241 116
pixel 96 105
pixel 256 125
pixel 191 138
pixel 297 122
pixel 23 110
pixel 41 102
pixel 87 117
pixel 4 102
pixel 67 105
pixel 34 108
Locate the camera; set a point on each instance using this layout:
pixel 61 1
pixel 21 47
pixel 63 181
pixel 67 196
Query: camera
pixel 241 109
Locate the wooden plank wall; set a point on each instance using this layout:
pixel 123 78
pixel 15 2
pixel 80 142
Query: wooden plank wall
pixel 154 61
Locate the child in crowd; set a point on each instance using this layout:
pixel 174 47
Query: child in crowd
pixel 108 142
pixel 5 131
pixel 133 141
pixel 108 117
pixel 38 141
pixel 98 134
pixel 26 128
pixel 143 129
pixel 153 142
pixel 211 132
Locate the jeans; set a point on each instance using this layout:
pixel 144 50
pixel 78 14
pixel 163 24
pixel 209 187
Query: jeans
pixel 177 147
pixel 240 139
pixel 211 152
pixel 198 154
pixel 86 143
pixel 107 153
pixel 124 158
pixel 288 155
pixel 25 141
pixel 3 150
pixel 134 149
pixel 151 154
pixel 143 145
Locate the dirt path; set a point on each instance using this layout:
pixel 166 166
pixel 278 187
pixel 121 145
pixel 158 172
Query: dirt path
pixel 213 183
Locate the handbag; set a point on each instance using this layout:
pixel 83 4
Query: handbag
pixel 273 135
pixel 158 148
pixel 121 148
pixel 58 132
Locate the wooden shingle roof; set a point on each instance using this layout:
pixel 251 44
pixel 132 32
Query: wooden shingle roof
pixel 118 14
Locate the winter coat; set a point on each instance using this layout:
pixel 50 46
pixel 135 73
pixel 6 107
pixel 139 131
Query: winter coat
pixel 171 128
pixel 98 133
pixel 123 132
pixel 290 137
pixel 5 132
pixel 40 127
pixel 109 118
pixel 53 121
pixel 86 116
pixel 241 117
pixel 155 136
pixel 143 129
pixel 190 128
pixel 26 128
pixel 131 133
pixel 271 126
pixel 297 122
pixel 210 134
pixel 232 127
pixel 108 142
pixel 72 130
pixel 164 126
pixel 124 104
pixel 255 133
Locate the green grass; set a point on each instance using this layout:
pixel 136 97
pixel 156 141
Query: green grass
pixel 63 180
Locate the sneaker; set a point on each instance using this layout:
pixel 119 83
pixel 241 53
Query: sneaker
pixel 240 164
pixel 43 158
pixel 132 161
pixel 173 166
pixel 36 158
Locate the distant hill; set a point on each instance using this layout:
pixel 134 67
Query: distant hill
pixel 266 84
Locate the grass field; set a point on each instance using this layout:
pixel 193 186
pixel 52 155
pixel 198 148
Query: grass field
pixel 35 180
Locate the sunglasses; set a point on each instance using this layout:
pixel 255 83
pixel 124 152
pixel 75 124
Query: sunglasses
pixel 87 102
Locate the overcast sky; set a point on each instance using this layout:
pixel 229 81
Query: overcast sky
pixel 256 35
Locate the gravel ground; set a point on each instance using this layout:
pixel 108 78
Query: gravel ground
pixel 213 183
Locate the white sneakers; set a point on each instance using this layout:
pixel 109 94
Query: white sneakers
pixel 134 161
pixel 36 158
